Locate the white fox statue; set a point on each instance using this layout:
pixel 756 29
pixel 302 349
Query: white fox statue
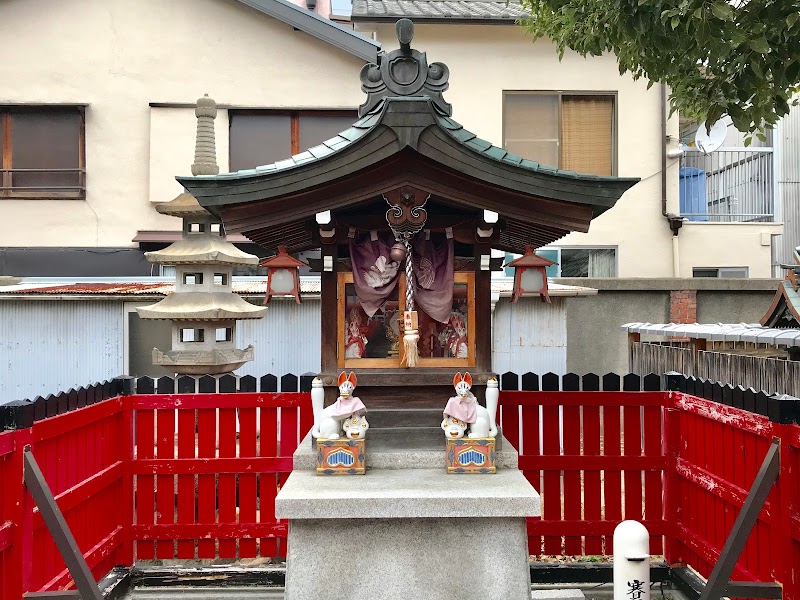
pixel 347 409
pixel 463 410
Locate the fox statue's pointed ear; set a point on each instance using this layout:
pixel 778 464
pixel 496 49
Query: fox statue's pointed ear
pixel 352 378
pixel 468 379
pixel 457 379
pixel 342 378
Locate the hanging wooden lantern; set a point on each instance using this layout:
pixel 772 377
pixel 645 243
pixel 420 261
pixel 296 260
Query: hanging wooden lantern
pixel 530 275
pixel 283 275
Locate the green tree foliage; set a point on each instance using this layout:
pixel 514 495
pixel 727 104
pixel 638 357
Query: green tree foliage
pixel 740 58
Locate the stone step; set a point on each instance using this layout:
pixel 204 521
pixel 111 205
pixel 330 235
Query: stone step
pixel 205 592
pixel 416 437
pixel 404 417
pixel 396 452
pixel 407 493
pixel 258 592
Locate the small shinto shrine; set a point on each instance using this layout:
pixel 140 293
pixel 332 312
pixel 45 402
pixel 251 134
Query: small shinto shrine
pixel 406 206
pixel 405 180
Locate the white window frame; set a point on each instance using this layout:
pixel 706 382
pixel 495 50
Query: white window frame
pixel 720 271
pixel 596 247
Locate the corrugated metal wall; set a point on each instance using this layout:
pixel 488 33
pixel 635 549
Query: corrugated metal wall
pixel 530 336
pixel 788 147
pixel 286 340
pixel 51 346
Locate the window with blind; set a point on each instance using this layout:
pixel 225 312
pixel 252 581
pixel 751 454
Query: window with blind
pixel 264 137
pixel 42 152
pixel 588 262
pixel 574 132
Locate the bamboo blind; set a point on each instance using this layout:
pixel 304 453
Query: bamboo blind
pixel 587 134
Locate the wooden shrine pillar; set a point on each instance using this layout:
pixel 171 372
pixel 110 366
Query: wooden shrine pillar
pixel 483 310
pixel 328 318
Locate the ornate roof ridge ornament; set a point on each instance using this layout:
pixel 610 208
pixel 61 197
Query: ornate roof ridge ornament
pixel 404 72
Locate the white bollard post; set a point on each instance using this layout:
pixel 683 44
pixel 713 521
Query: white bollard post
pixel 317 404
pixel 631 561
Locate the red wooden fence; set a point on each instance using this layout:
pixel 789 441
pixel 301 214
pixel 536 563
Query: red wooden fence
pixel 680 464
pixel 150 476
pixel 195 476
pixel 716 452
pixel 207 468
pixel 596 458
pixel 81 455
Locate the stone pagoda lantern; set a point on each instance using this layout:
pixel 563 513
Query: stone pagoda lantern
pixel 203 309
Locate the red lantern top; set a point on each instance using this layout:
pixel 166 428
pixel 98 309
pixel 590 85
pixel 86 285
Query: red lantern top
pixel 529 259
pixel 282 260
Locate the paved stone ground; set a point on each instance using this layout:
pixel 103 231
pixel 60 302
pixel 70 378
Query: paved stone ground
pixel 253 592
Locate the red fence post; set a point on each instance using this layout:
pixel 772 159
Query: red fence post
pixel 127 482
pixel 672 440
pixel 21 567
pixel 786 521
pixel 11 494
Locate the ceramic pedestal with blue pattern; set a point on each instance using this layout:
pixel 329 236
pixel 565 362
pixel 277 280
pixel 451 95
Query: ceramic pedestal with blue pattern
pixel 341 457
pixel 471 456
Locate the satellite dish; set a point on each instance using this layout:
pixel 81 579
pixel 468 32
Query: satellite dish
pixel 708 141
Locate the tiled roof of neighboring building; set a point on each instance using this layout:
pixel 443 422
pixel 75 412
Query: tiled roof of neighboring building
pixel 437 10
pixel 249 287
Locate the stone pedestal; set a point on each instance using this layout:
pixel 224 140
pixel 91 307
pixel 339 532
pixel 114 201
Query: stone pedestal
pixel 430 559
pixel 406 532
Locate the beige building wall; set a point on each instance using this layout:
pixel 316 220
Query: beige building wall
pixel 140 64
pixel 172 131
pixel 486 60
pixel 121 56
pixel 727 245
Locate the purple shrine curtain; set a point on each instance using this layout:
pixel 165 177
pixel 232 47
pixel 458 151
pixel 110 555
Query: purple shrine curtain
pixel 433 275
pixel 375 274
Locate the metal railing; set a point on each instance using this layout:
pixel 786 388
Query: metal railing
pixel 42 182
pixel 728 185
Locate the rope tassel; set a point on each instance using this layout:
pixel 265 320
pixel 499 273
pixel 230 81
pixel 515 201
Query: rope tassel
pixel 410 339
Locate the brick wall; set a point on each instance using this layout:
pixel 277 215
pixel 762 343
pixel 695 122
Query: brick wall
pixel 683 306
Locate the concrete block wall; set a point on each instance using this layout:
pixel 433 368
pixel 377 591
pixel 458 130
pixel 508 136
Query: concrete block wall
pixel 597 344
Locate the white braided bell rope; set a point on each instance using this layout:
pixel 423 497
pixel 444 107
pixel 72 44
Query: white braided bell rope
pixel 409 277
